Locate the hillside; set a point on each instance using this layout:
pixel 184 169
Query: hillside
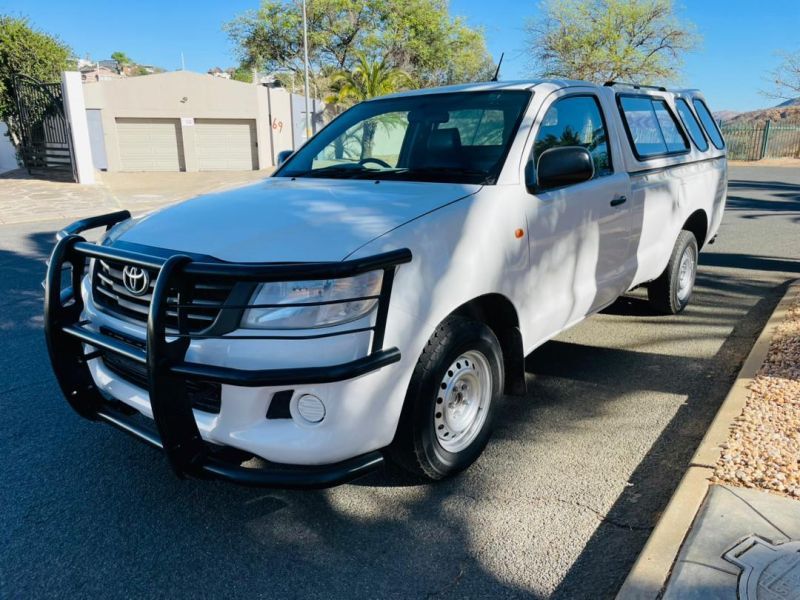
pixel 723 116
pixel 785 113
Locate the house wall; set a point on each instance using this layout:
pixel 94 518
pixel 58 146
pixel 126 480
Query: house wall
pixel 298 105
pixel 180 95
pixel 8 156
pixel 280 117
pixel 94 121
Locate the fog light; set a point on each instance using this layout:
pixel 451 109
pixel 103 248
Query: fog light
pixel 311 408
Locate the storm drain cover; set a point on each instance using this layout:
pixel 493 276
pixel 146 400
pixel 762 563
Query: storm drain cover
pixel 769 571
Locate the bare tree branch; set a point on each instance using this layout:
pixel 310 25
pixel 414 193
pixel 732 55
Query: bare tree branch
pixel 785 79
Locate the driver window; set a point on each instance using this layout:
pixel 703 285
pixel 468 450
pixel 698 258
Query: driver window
pixel 379 138
pixel 574 121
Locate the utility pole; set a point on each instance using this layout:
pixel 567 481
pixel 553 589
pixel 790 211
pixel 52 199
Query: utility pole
pixel 305 52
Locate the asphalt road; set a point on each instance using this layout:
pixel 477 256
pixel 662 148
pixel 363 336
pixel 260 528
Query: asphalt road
pixel 560 504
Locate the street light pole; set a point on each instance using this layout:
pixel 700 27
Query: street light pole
pixel 305 52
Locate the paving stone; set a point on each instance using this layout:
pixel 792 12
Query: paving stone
pixel 728 516
pixel 26 199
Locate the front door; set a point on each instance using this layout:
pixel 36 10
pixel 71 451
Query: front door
pixel 578 234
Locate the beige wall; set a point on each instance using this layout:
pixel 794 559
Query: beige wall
pixel 182 94
pixel 280 115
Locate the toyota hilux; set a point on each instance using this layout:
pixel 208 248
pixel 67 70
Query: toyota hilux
pixel 375 298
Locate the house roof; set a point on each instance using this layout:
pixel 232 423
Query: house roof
pixel 187 76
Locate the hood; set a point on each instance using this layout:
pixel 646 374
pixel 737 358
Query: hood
pixel 281 220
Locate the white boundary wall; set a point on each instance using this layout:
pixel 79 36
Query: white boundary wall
pixel 75 109
pixel 8 155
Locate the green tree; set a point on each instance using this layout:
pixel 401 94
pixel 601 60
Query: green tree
pixel 25 50
pixel 122 59
pixel 418 36
pixel 640 41
pixel 130 67
pixel 242 73
pixel 369 78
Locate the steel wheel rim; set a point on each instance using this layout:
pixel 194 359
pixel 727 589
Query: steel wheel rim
pixel 463 400
pixel 686 273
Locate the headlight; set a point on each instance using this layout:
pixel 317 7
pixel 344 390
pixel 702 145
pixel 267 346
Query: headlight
pixel 291 295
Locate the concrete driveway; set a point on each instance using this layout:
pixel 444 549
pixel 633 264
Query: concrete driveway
pixel 25 199
pixel 560 504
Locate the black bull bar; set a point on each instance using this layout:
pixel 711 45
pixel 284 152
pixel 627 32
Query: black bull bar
pixel 165 359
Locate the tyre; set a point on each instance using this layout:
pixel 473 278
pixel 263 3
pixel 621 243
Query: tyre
pixel 670 293
pixel 447 416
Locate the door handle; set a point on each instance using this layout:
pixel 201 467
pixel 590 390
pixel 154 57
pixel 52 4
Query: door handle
pixel 619 200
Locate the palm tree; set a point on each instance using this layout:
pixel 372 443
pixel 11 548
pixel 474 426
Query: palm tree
pixel 369 78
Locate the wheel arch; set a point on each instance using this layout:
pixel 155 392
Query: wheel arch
pixel 697 224
pixel 500 315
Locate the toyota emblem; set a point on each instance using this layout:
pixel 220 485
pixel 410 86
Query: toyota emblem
pixel 136 280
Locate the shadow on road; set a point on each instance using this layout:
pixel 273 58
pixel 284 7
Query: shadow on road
pixel 48 175
pixel 752 262
pixel 650 485
pixel 769 186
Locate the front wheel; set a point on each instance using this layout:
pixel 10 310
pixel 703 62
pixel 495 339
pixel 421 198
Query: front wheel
pixel 447 417
pixel 670 293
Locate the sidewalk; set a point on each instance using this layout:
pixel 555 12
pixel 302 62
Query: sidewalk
pixel 732 528
pixel 24 199
pixel 742 539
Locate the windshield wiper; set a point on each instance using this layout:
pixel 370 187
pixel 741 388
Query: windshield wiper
pixel 432 173
pixel 334 170
pixel 439 172
pixel 353 171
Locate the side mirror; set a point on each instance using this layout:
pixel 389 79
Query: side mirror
pixel 283 155
pixel 560 166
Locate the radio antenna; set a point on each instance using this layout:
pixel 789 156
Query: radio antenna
pixel 500 62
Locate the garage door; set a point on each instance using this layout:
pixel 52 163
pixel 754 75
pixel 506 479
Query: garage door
pixel 225 144
pixel 150 144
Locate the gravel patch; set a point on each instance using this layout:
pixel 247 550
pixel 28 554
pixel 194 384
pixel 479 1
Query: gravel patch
pixel 763 449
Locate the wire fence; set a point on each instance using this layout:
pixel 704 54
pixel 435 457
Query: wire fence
pixel 762 141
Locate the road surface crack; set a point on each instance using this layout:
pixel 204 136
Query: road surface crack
pixel 602 517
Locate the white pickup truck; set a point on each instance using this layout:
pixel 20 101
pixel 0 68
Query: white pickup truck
pixel 375 298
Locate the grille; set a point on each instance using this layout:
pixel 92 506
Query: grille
pixel 204 395
pixel 110 293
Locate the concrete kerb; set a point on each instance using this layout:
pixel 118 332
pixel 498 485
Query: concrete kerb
pixel 651 570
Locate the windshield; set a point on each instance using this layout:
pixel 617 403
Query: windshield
pixel 457 137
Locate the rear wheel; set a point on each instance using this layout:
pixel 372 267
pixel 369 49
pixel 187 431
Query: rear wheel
pixel 447 416
pixel 670 293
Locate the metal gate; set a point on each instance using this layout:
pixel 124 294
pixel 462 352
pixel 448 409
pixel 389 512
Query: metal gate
pixel 45 140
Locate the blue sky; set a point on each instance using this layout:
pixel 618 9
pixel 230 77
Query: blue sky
pixel 740 37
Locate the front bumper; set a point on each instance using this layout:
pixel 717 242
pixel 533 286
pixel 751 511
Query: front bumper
pixel 168 371
pixel 273 475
